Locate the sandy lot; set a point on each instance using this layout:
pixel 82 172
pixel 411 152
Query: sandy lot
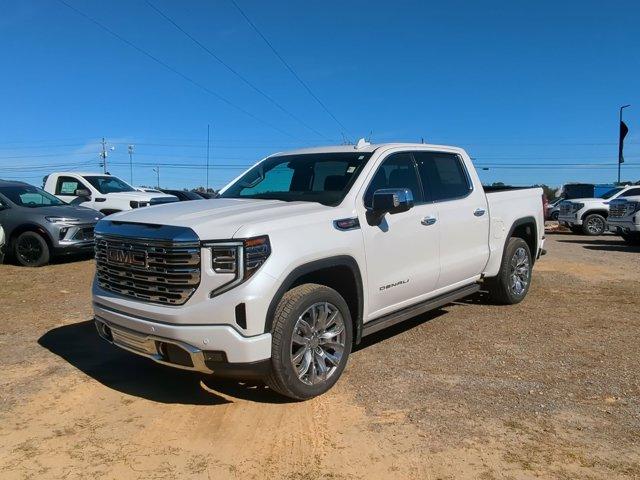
pixel 546 389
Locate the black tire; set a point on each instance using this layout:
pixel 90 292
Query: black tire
pixel 30 249
pixel 283 377
pixel 501 290
pixel 554 216
pixel 594 224
pixel 576 229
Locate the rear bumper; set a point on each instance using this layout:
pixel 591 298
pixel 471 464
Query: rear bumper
pixel 217 349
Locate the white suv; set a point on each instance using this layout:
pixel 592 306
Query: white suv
pixel 589 215
pixel 306 253
pixel 624 218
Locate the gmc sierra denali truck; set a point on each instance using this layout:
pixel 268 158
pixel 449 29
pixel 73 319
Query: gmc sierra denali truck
pixel 105 193
pixel 624 218
pixel 306 253
pixel 589 215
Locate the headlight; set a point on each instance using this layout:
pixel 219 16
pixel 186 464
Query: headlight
pixel 242 259
pixel 576 206
pixel 62 220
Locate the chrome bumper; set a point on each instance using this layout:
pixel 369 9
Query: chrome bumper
pixel 150 346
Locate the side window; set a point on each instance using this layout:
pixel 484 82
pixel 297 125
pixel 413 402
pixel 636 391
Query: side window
pixel 67 186
pixel 632 192
pixel 443 175
pixel 397 171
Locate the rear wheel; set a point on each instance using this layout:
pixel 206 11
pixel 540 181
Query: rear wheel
pixel 594 224
pixel 512 283
pixel 31 250
pixel 311 341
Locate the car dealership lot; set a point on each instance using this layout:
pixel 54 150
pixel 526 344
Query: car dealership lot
pixel 547 388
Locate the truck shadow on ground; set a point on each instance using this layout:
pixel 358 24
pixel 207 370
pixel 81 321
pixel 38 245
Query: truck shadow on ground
pixel 605 244
pixel 80 345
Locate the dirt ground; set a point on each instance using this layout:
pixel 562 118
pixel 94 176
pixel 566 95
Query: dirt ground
pixel 549 388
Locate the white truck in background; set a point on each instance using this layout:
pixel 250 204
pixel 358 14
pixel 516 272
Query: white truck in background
pixel 306 253
pixel 106 193
pixel 624 218
pixel 589 215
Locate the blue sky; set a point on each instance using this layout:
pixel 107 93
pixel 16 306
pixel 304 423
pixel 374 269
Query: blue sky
pixel 529 88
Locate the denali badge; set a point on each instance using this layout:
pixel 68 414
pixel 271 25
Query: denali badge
pixel 395 284
pixel 136 258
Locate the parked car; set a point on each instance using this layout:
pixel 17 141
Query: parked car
pixel 105 193
pixel 589 215
pixel 184 195
pixel 1 244
pixel 624 218
pixel 585 190
pixel 37 225
pixel 306 253
pixel 553 209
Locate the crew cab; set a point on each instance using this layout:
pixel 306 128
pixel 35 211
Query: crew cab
pixel 624 218
pixel 106 193
pixel 589 215
pixel 306 253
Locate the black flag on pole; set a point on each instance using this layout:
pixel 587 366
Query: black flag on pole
pixel 623 133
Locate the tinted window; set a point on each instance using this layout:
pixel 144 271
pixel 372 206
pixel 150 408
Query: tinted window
pixel 443 175
pixel 316 177
pixel 397 171
pixel 610 193
pixel 632 192
pixel 28 196
pixel 68 186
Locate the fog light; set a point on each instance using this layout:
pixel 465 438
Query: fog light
pixel 214 356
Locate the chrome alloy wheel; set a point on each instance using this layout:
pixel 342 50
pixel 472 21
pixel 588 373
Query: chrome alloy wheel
pixel 595 225
pixel 318 343
pixel 520 271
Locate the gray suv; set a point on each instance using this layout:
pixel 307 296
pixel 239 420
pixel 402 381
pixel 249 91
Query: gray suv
pixel 38 225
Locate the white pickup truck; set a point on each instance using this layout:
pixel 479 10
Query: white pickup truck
pixel 105 193
pixel 589 215
pixel 304 254
pixel 624 218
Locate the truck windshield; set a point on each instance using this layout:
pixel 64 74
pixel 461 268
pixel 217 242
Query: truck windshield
pixel 313 177
pixel 106 184
pixel 29 196
pixel 610 193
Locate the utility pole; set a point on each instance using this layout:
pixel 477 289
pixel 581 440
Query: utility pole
pixel 620 140
pixel 208 138
pixel 157 170
pixel 131 164
pixel 103 155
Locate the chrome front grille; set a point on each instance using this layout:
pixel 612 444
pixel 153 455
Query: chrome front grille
pixel 153 271
pixel 617 210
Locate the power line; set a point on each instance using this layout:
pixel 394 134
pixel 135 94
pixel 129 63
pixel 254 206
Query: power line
pixel 233 70
pixel 284 62
pixel 174 70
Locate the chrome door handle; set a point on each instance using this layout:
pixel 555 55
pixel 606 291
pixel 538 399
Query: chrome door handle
pixel 428 220
pixel 478 212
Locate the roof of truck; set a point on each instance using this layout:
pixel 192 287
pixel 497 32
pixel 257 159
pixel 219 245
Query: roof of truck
pixel 367 148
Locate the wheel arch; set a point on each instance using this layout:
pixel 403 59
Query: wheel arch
pixel 599 211
pixel 341 273
pixel 525 228
pixel 30 227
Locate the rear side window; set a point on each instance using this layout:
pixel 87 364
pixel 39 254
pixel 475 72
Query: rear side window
pixel 397 171
pixel 443 175
pixel 632 192
pixel 67 186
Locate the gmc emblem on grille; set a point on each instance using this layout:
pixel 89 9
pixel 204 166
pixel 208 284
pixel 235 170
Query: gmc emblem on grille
pixel 136 258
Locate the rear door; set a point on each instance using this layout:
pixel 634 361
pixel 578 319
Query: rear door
pixel 402 253
pixel 462 215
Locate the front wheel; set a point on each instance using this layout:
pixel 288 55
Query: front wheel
pixel 311 341
pixel 594 224
pixel 31 250
pixel 512 283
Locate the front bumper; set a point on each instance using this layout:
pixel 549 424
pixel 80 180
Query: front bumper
pixel 570 220
pixel 217 349
pixel 623 226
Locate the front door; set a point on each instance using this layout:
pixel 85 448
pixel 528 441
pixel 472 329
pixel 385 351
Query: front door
pixel 402 253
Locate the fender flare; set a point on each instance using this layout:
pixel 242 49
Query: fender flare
pixel 517 223
pixel 316 265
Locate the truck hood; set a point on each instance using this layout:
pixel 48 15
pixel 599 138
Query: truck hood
pixel 219 218
pixel 139 196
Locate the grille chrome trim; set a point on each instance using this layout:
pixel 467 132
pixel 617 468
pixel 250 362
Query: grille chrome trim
pixel 172 271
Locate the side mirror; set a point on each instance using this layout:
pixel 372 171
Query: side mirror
pixel 82 192
pixel 389 200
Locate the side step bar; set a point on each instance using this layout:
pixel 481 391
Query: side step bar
pixel 396 317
